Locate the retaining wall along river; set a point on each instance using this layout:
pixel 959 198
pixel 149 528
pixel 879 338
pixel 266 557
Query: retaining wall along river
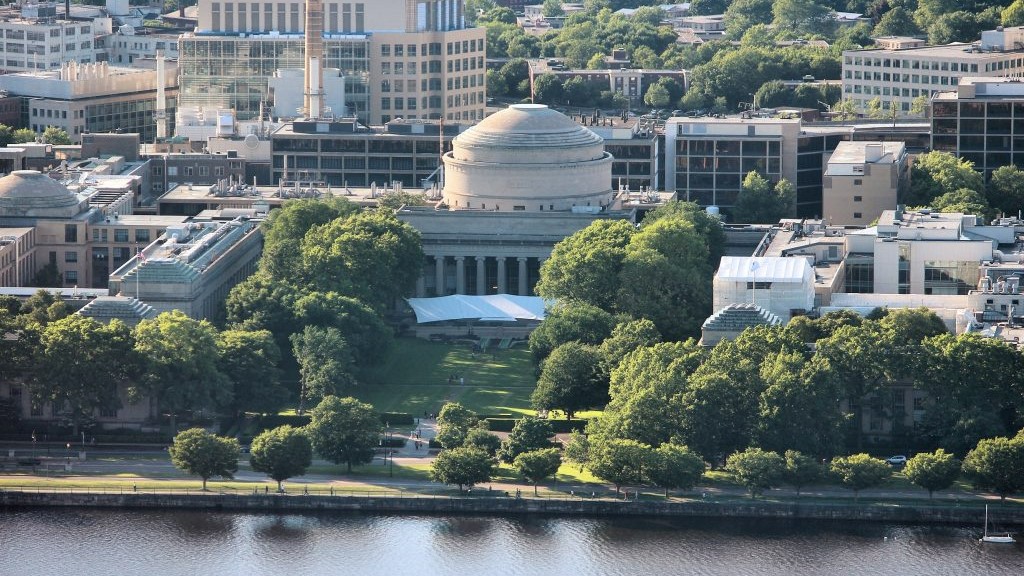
pixel 969 514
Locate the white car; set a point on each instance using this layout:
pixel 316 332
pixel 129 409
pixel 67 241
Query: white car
pixel 897 460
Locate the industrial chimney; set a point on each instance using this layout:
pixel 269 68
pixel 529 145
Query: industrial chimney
pixel 313 98
pixel 160 114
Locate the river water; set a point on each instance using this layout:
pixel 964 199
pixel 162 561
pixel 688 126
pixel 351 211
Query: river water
pixel 73 542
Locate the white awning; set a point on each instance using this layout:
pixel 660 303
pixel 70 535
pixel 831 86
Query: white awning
pixel 492 308
pixel 764 269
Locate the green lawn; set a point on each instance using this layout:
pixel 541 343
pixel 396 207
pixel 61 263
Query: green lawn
pixel 415 378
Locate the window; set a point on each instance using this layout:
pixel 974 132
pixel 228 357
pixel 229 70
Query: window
pixel 70 233
pixel 858 198
pixel 71 277
pixel 121 235
pixel 759 285
pixel 71 256
pixel 858 215
pixel 141 235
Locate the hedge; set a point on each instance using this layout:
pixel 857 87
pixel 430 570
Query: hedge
pixel 560 426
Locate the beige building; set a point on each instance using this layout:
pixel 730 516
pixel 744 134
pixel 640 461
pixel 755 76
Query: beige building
pixel 410 59
pixel 17 255
pixel 902 74
pixel 862 179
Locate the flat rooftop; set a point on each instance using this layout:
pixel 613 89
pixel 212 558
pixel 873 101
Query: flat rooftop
pixel 971 52
pixel 856 153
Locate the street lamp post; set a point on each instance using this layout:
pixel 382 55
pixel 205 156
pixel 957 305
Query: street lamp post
pixel 68 465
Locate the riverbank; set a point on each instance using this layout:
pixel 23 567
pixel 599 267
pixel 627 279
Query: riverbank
pixel 966 514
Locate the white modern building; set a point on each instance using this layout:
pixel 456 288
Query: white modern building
pixel 782 286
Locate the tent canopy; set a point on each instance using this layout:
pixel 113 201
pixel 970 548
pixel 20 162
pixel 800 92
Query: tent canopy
pixel 492 308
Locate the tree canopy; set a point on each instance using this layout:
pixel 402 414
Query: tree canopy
pixel 200 453
pixel 344 431
pixel 281 453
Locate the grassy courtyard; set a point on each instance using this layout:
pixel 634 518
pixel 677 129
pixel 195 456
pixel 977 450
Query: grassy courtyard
pixel 415 379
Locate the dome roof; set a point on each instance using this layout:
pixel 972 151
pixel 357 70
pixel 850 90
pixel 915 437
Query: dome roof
pixel 31 193
pixel 528 126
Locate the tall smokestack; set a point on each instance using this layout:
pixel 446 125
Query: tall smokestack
pixel 160 114
pixel 314 81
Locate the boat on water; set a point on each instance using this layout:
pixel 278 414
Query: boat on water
pixel 993 539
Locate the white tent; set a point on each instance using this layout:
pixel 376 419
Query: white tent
pixel 492 308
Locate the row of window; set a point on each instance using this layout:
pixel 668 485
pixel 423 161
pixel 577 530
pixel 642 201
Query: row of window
pixel 400 68
pixel 20 34
pixel 290 17
pixel 120 235
pixel 40 49
pixel 924 65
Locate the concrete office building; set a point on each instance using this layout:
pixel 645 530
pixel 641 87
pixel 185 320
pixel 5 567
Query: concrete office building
pixel 412 59
pixel 899 75
pixel 81 98
pixel 981 121
pixel 862 180
pixel 36 39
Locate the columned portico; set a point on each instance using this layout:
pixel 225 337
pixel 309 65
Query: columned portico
pixel 523 280
pixel 502 276
pixel 481 275
pixel 460 274
pixel 439 276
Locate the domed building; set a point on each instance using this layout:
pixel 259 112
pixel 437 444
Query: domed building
pixel 31 194
pixel 528 158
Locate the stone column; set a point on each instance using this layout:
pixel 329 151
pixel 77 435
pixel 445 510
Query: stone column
pixel 502 275
pixel 439 276
pixel 481 275
pixel 460 274
pixel 421 287
pixel 522 277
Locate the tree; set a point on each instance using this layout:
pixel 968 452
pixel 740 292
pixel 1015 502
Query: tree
pixel 802 16
pixel 528 434
pixel 463 466
pixel 281 453
pixel 657 96
pixel 1006 188
pixel 860 471
pixel 800 470
pixel 896 22
pixel 325 363
pixel 756 469
pixel 261 302
pixel 484 440
pixel 675 467
pixel 585 265
pixel 23 136
pixel 454 422
pixel 180 360
pixel 536 465
pixel 249 360
pixel 570 322
pixel 958 26
pixel 552 8
pixel 285 228
pixel 997 464
pixel 371 256
pixel 547 89
pixel 626 337
pixel 619 461
pixel 56 136
pixel 741 15
pixel 935 173
pixel 964 201
pixel 577 449
pixel 344 430
pixel 6 135
pixel 48 277
pixel 571 380
pixel 666 277
pixel 195 451
pixel 366 334
pixel 799 407
pixel 82 364
pixel 933 471
pixel 1013 15
pixel 759 202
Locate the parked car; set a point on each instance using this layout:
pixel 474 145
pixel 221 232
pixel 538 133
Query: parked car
pixel 899 460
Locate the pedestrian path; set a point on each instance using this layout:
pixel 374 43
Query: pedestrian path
pixel 417 444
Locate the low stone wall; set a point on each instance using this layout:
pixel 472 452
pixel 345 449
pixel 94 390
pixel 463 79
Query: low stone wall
pixel 971 514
